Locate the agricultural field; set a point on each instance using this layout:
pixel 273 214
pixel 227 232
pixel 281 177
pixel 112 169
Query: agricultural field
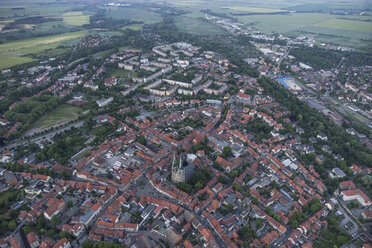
pixel 198 27
pixel 323 27
pixel 353 25
pixel 63 114
pixel 135 14
pixel 7 61
pixel 284 23
pixel 189 3
pixel 36 45
pixel 250 9
pixel 75 18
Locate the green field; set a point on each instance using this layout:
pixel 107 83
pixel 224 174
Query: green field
pixel 119 73
pixel 284 23
pixel 135 14
pixel 198 27
pixel 36 45
pixel 7 61
pixel 352 25
pixel 323 27
pixel 189 3
pixel 75 18
pixel 255 10
pixel 59 116
pixel 134 27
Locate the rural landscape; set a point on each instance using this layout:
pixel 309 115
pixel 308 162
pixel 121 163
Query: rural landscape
pixel 186 123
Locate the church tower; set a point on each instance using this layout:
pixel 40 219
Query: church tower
pixel 178 172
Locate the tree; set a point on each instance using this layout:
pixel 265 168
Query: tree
pixel 64 234
pixel 55 221
pixel 142 140
pixel 50 233
pixel 12 225
pixel 226 152
pixel 70 204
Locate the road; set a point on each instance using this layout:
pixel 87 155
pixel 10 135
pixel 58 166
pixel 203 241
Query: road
pixel 284 56
pixel 39 139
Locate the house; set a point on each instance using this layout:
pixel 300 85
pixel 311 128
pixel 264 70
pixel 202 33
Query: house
pixel 358 195
pixel 4 122
pixel 322 137
pixel 320 159
pixel 367 214
pixel 14 243
pixel 63 243
pixel 347 185
pixel 336 173
pixel 109 82
pixel 10 178
pixel 33 240
pixel 55 207
pixel 356 169
pixel 103 101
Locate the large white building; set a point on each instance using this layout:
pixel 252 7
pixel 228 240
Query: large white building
pixel 358 195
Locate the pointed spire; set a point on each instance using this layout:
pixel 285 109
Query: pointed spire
pixel 174 161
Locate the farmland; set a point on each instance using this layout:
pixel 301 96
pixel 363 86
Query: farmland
pixel 75 18
pixel 7 61
pixel 323 27
pixel 352 25
pixel 36 45
pixel 135 14
pixel 255 10
pixel 198 27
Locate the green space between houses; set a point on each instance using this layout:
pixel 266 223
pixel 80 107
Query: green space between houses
pixel 7 61
pixel 36 45
pixel 119 73
pixel 353 25
pixel 61 115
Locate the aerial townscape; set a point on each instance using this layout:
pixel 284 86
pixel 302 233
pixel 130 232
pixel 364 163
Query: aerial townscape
pixel 217 124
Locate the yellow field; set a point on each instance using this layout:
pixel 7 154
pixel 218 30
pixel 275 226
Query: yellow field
pixel 255 10
pixel 75 18
pixel 352 25
pixel 36 45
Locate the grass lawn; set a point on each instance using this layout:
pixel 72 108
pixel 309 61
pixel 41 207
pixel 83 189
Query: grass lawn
pixel 8 198
pixel 61 115
pixel 120 73
pixel 36 45
pixel 134 27
pixel 7 61
pixel 76 18
pixel 352 25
